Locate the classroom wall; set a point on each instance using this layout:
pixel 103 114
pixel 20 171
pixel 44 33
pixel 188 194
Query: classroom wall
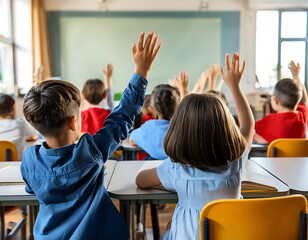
pixel 82 43
pixel 247 19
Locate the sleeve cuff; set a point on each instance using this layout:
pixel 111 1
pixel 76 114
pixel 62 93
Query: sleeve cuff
pixel 139 82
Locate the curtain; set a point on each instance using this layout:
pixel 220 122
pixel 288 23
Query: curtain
pixel 40 45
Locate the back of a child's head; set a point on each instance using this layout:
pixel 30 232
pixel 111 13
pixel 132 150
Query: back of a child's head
pixel 147 103
pixel 165 100
pixel 6 105
pixel 288 92
pixel 203 134
pixel 221 95
pixel 94 91
pixel 50 104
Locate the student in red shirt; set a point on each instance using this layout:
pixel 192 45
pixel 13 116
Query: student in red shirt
pixel 289 100
pixel 94 91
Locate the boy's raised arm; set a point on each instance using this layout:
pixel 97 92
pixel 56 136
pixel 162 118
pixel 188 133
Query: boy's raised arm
pixel 118 123
pixel 232 78
pixel 295 70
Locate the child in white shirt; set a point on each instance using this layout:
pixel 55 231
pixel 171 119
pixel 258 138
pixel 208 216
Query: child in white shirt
pixel 16 130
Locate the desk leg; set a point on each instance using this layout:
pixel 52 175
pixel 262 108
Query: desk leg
pixel 31 221
pixel 132 218
pixel 155 224
pixel 2 223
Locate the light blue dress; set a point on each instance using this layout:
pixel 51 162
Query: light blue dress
pixel 196 188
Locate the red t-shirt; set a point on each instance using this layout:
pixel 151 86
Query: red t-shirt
pixel 93 119
pixel 147 117
pixel 283 125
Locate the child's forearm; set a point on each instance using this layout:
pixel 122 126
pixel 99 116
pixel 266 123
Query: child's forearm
pixel 120 121
pixel 110 99
pixel 245 116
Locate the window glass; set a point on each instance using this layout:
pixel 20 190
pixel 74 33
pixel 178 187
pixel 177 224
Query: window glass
pixel 293 24
pixel 5 20
pixel 293 50
pixel 6 68
pixel 267 47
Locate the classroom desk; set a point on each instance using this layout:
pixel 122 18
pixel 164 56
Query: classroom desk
pixel 291 171
pixel 15 195
pixel 259 147
pixel 123 187
pixel 258 150
pixel 129 151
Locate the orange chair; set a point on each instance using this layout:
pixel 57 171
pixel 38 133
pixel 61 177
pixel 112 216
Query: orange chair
pixel 280 218
pixel 288 147
pixel 8 151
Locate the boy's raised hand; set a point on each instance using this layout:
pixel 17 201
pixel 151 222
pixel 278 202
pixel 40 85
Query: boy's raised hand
pixel 144 54
pixel 108 74
pixel 295 70
pixel 234 73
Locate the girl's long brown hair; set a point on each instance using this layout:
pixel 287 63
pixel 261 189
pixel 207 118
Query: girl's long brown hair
pixel 202 133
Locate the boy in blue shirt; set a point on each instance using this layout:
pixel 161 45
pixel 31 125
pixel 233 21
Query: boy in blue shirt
pixel 67 178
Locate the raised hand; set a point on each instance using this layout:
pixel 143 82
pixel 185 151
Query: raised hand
pixel 108 74
pixel 181 82
pixel 233 75
pixel 232 78
pixel 144 54
pixel 295 70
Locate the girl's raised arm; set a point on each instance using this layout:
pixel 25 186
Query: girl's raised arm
pixel 232 78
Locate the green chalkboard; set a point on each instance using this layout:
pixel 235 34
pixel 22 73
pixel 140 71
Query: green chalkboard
pixel 82 43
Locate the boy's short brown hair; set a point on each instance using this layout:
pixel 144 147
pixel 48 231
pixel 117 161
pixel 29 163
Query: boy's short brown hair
pixel 203 134
pixel 94 91
pixel 6 105
pixel 48 105
pixel 288 92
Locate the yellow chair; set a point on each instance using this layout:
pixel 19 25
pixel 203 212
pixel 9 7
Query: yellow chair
pixel 288 147
pixel 8 151
pixel 282 218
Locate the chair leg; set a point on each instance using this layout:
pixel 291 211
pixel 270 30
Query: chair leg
pixel 2 223
pixel 155 224
pixel 303 226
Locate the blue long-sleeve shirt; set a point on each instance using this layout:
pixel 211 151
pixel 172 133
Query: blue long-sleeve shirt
pixel 68 181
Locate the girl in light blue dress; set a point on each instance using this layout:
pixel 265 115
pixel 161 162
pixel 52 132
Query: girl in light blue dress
pixel 206 153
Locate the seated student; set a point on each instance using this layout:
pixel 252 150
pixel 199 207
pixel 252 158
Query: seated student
pixel 92 119
pixel 289 100
pixel 206 153
pixel 150 136
pixel 147 110
pixel 68 178
pixel 16 130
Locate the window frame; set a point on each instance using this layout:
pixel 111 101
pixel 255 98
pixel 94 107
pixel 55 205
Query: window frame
pixel 281 39
pixel 10 42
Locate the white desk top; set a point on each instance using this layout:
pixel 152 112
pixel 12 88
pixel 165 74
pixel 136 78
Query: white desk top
pixel 292 171
pixel 127 147
pixel 123 187
pixel 17 193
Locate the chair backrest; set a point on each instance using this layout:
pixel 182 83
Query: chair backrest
pixel 252 219
pixel 8 151
pixel 288 147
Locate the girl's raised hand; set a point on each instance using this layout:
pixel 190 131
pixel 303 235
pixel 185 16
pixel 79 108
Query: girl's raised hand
pixel 234 73
pixel 144 54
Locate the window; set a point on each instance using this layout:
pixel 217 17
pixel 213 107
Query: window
pixel 6 48
pixel 281 37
